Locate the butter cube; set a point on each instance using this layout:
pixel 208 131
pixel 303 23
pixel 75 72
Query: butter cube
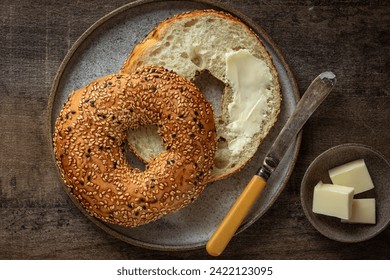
pixel 353 174
pixel 363 211
pixel 333 200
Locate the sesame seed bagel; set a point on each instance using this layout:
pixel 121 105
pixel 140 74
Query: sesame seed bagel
pixel 90 139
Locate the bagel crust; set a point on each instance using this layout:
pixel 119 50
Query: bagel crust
pixel 90 140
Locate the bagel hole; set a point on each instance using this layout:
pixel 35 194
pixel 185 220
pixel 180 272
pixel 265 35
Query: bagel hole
pixel 133 160
pixel 146 141
pixel 212 88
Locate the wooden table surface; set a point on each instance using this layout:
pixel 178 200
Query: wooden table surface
pixel 37 219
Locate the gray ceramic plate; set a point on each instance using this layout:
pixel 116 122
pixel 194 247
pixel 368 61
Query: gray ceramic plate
pixel 101 50
pixel 379 169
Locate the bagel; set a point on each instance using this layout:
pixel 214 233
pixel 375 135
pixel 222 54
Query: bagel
pixel 90 136
pixel 206 41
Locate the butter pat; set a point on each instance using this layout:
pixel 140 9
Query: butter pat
pixel 363 211
pixel 250 79
pixel 333 200
pixel 353 174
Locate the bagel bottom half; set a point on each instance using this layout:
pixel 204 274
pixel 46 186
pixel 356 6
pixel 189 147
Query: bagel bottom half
pixel 90 139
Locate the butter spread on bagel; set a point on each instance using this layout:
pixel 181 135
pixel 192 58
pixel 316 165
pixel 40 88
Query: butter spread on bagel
pixel 250 78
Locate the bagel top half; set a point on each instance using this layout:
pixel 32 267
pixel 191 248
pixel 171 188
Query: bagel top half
pixel 209 41
pixel 90 136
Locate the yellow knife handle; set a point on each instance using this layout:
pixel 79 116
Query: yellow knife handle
pixel 236 215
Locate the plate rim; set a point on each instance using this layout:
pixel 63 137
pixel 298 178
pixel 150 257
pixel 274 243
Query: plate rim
pixel 70 54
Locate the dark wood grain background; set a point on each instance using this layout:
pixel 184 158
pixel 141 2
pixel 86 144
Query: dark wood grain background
pixel 37 219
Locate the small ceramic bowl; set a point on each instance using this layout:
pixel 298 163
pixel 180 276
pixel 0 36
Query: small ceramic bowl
pixel 379 169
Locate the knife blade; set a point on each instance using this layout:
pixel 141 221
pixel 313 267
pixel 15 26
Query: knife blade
pixel 317 91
